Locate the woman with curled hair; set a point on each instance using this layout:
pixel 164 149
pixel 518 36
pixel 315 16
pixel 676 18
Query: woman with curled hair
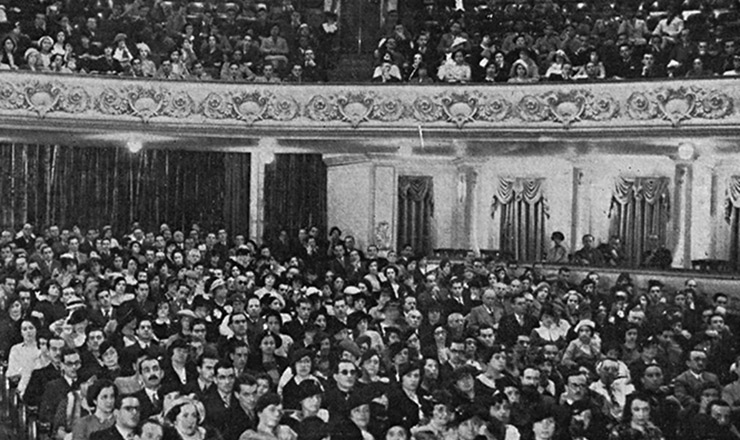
pixel 264 359
pixel 24 356
pixel 101 397
pixel 187 416
pixel 636 423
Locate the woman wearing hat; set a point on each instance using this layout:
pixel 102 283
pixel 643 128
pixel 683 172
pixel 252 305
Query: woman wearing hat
pixel 406 409
pixel 186 416
pixel 293 378
pixel 543 423
pixel 586 348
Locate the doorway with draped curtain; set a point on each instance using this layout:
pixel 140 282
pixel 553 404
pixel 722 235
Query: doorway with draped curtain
pixel 732 216
pixel 639 209
pixel 415 213
pixel 522 210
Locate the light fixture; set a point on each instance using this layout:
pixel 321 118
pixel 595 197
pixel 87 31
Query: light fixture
pixel 134 146
pixel 686 151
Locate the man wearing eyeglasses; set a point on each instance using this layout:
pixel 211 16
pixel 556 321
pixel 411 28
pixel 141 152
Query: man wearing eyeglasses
pixel 338 394
pixel 57 389
pixel 127 414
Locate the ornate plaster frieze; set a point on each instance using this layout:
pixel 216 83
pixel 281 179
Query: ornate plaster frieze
pixel 711 102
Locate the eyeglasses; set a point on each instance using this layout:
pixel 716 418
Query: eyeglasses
pixel 348 372
pixel 73 364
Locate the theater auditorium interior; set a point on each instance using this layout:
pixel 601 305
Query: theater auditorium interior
pixel 369 220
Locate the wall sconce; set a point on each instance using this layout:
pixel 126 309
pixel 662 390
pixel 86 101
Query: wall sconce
pixel 686 151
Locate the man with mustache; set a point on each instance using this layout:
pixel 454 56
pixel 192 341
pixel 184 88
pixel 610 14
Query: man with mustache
pixel 151 374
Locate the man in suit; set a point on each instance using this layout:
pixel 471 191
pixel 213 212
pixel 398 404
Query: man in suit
pixel 688 385
pixel 242 415
pixel 127 414
pixel 150 372
pixel 42 376
pixel 459 300
pixel 104 313
pixel 296 328
pixel 517 323
pixel 57 389
pixel 204 382
pixel 487 313
pixel 220 401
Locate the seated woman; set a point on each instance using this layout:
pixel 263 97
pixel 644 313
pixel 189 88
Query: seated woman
pixel 8 55
pixel 456 71
pixel 186 416
pixel 520 73
pixel 387 72
pixel 269 410
pixel 264 360
pixel 101 397
pixel 555 71
pixel 25 356
pixel 636 421
pixel 586 348
pixel 552 329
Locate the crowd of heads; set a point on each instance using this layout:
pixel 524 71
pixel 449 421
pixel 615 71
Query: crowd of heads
pixel 461 41
pixel 310 335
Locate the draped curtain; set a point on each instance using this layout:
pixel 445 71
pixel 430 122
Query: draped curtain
pixel 639 208
pixel 415 212
pixel 295 194
pixel 93 186
pixel 732 216
pixel 523 212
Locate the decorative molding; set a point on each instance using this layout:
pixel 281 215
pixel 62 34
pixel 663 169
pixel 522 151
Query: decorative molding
pixel 710 102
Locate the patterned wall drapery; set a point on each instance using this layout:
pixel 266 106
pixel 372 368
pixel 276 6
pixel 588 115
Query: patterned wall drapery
pixel 640 207
pixel 732 216
pixel 295 194
pixel 416 212
pixel 94 186
pixel 523 214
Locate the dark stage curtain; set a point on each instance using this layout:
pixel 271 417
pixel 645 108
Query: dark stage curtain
pixel 415 212
pixel 640 208
pixel 523 214
pixel 295 194
pixel 68 186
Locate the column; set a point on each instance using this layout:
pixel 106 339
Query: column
pixel 682 215
pixel 263 155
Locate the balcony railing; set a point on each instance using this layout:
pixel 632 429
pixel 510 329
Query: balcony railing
pixel 552 106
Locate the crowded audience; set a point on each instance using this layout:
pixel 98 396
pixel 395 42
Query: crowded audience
pixel 296 41
pixel 174 334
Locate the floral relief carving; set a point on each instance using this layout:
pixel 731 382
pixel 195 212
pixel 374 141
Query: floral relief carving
pixel 714 105
pixel 388 109
pixel 75 100
pixel 701 101
pixel 250 107
pixel 146 103
pixel 425 109
pixel 532 109
pixel 180 105
pixel 494 109
pixel 460 108
pixel 283 108
pixel 355 108
pixel 42 97
pixel 216 106
pixel 676 104
pixel 321 108
pixel 566 107
pixel 640 107
pixel 111 102
pixel 10 98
